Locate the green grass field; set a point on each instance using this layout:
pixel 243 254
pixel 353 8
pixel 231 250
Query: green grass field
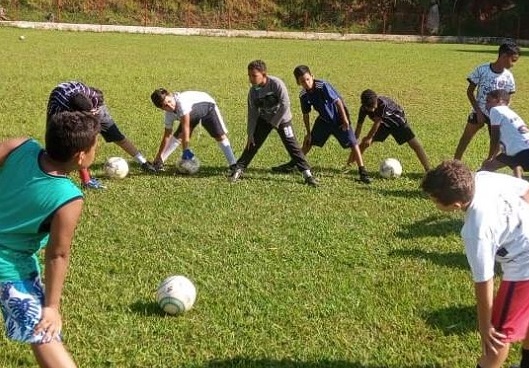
pixel 344 275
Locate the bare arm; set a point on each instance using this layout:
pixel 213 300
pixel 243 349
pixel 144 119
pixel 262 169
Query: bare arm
pixel 490 338
pixel 7 146
pixel 185 123
pixel 471 89
pixel 165 138
pixel 306 122
pixel 376 124
pixel 494 147
pixel 343 115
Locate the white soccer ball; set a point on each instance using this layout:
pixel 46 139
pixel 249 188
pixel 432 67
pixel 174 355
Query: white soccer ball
pixel 22 38
pixel 176 295
pixel 116 167
pixel 188 167
pixel 390 168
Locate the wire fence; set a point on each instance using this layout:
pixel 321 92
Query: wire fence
pixel 260 15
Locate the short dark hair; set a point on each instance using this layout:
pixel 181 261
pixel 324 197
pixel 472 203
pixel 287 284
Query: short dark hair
pixel 500 94
pixel 70 132
pixel 158 97
pixel 509 48
pixel 300 71
pixel 80 102
pixel 368 98
pixel 258 65
pixel 450 182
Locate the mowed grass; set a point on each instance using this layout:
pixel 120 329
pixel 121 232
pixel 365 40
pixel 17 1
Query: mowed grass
pixel 344 275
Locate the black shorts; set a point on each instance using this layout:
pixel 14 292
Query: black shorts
pixel 473 118
pixel 212 123
pixel 401 134
pixel 322 130
pixel 109 129
pixel 519 159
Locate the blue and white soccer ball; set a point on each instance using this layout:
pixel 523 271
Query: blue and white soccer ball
pixel 176 295
pixel 390 168
pixel 116 167
pixel 188 167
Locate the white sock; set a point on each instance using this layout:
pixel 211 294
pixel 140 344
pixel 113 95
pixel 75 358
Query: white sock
pixel 139 158
pixel 170 148
pixel 306 174
pixel 225 146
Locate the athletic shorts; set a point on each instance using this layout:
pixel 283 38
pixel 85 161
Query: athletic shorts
pixel 322 130
pixel 473 119
pixel 109 129
pixel 510 310
pixel 212 123
pixel 519 159
pixel 401 134
pixel 21 303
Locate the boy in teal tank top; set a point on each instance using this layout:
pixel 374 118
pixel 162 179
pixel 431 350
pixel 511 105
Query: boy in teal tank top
pixel 40 209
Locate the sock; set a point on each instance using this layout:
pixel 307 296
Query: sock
pixel 84 175
pixel 225 146
pixel 139 158
pixel 306 174
pixel 525 358
pixel 170 148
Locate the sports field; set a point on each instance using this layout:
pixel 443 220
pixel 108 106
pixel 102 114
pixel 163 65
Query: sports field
pixel 344 275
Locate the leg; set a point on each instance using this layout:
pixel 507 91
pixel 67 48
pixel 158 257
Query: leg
pixel 225 146
pixel 470 130
pixel 492 360
pixel 262 130
pixel 288 138
pixel 492 165
pixel 128 147
pixel 419 151
pixel 52 355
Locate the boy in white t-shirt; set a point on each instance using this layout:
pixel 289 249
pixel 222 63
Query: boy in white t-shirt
pixel 509 135
pixel 496 229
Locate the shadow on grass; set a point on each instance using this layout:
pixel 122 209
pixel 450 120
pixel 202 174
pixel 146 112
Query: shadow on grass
pixel 402 193
pixel 454 320
pixel 452 259
pixel 243 362
pixel 435 226
pixel 147 309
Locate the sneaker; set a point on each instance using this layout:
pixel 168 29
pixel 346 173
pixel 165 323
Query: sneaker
pixel 93 183
pixel 284 168
pixel 235 175
pixel 148 168
pixel 364 178
pixel 311 181
pixel 159 166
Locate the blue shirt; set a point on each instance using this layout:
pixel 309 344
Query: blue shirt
pixel 29 197
pixel 322 97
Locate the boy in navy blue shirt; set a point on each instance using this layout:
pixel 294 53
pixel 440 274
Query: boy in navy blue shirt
pixel 333 119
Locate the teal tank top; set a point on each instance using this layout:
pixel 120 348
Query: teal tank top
pixel 29 197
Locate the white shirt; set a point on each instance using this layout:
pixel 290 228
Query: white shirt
pixel 184 105
pixel 514 134
pixel 487 80
pixel 497 227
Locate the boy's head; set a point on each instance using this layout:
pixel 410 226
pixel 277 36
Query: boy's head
pixel 163 99
pixel 508 54
pixel 497 97
pixel 80 102
pixel 304 77
pixel 369 100
pixel 70 133
pixel 450 185
pixel 257 72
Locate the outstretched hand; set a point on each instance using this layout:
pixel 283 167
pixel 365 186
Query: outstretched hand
pixel 50 324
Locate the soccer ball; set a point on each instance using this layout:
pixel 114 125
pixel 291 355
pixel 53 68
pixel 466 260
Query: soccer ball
pixel 188 167
pixel 176 295
pixel 390 168
pixel 116 168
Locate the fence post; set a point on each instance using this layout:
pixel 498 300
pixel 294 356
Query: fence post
pixel 59 11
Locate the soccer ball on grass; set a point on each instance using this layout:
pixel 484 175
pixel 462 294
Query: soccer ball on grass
pixel 176 295
pixel 188 167
pixel 116 168
pixel 390 168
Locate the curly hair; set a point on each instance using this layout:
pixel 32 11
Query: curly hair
pixel 450 182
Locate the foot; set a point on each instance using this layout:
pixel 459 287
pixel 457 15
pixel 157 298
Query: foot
pixel 311 181
pixel 364 178
pixel 284 168
pixel 235 175
pixel 93 184
pixel 159 166
pixel 148 168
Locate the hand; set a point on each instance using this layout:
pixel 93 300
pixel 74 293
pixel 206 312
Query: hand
pixel 187 154
pixel 366 142
pixel 345 126
pixel 491 341
pixel 250 142
pixel 50 324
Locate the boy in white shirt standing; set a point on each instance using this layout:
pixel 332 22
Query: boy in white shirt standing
pixel 496 229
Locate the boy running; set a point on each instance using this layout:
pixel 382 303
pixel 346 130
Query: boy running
pixel 333 119
pixel 190 108
pixel 485 78
pixel 269 108
pixel 509 135
pixel 496 229
pixel 388 119
pixel 41 208
pixel 76 96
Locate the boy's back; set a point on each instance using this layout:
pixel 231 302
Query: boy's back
pixel 322 98
pixel 514 134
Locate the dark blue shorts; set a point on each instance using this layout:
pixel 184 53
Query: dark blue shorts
pixel 401 134
pixel 519 159
pixel 322 130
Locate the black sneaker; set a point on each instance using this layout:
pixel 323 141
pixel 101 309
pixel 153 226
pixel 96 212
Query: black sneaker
pixel 364 178
pixel 159 166
pixel 148 168
pixel 284 169
pixel 235 175
pixel 311 181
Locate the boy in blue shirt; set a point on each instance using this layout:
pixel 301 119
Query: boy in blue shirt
pixel 333 119
pixel 40 209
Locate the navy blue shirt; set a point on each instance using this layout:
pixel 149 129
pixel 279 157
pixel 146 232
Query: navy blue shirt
pixel 322 97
